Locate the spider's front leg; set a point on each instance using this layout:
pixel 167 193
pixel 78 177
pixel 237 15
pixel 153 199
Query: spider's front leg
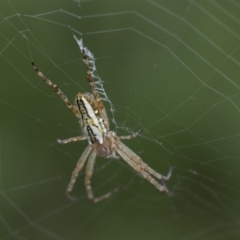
pixel 88 176
pixel 76 171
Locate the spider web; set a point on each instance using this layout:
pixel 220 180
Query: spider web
pixel 168 67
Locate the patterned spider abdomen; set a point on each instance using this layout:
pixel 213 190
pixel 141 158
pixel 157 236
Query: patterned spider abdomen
pixel 92 123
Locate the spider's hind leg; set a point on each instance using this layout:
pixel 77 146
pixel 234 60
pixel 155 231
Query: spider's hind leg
pixel 56 89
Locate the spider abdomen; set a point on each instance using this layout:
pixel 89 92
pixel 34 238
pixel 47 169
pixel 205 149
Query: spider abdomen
pixel 92 123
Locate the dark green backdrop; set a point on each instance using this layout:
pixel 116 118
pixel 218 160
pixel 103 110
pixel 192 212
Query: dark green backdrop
pixel 169 67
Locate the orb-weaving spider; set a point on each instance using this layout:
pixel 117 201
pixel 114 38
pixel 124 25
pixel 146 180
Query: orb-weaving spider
pixel 92 115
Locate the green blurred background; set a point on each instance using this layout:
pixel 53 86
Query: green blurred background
pixel 169 67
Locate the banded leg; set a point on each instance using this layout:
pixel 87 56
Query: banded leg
pixel 89 75
pixel 141 171
pixel 77 169
pixel 138 161
pixel 90 80
pixel 72 139
pixel 93 88
pixel 56 90
pixel 130 137
pixel 89 172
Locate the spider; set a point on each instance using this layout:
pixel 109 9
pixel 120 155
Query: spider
pixel 90 110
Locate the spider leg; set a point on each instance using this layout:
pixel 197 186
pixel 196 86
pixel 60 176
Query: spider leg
pixel 92 85
pixel 89 76
pixel 141 171
pixel 135 158
pixel 130 137
pixel 72 139
pixel 77 169
pixel 89 172
pixel 56 90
